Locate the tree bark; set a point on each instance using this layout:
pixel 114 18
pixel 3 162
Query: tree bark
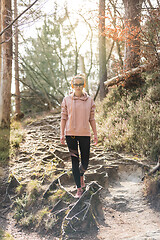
pixel 132 28
pixel 82 70
pixel 0 67
pixel 132 39
pixel 17 91
pixel 102 50
pixel 6 63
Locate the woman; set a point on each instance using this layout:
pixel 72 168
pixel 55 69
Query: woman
pixel 77 115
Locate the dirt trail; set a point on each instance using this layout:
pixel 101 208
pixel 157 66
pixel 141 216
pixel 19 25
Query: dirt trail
pixel 126 213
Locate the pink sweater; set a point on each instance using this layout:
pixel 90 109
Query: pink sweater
pixel 78 113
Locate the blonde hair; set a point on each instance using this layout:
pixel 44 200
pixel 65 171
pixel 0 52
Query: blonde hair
pixel 79 76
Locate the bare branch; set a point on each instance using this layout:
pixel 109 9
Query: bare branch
pixel 17 18
pixel 90 43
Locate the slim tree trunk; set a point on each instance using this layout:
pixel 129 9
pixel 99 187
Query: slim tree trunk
pixel 6 63
pixel 82 70
pixel 102 50
pixel 17 91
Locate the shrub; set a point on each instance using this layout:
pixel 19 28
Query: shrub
pixel 129 121
pixel 20 208
pixel 33 189
pixel 152 186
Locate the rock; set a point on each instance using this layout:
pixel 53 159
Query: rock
pixel 66 179
pixel 46 128
pixel 45 148
pixel 52 186
pixel 24 159
pixel 31 131
pixel 101 178
pixel 48 157
pixel 38 153
pixel 65 155
pixel 12 185
pixel 60 164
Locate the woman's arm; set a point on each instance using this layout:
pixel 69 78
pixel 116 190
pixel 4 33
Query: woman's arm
pixel 93 122
pixel 64 116
pixel 93 125
pixel 63 124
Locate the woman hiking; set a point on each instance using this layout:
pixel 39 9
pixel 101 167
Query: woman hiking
pixel 77 115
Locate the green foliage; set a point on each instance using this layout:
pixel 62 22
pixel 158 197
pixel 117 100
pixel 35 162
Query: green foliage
pixel 46 66
pixel 20 208
pixel 129 120
pixel 21 214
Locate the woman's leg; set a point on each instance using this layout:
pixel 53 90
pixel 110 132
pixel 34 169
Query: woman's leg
pixel 84 144
pixel 73 149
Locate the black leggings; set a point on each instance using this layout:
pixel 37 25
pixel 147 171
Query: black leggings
pixel 84 145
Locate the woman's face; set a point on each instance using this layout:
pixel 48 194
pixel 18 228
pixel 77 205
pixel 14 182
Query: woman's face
pixel 78 85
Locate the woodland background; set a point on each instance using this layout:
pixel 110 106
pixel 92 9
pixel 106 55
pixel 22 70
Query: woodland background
pixel 43 44
pixel 114 43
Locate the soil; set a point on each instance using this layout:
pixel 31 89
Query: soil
pixel 127 214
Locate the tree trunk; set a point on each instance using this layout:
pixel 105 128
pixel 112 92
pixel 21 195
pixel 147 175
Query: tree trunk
pixel 82 70
pixel 128 74
pixel 0 66
pixel 6 69
pixel 132 28
pixel 17 91
pixel 132 39
pixel 102 50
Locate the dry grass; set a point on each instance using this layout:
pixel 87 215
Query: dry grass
pixel 5 235
pixel 152 186
pixel 129 121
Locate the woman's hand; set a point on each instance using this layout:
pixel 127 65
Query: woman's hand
pixel 62 139
pixel 95 139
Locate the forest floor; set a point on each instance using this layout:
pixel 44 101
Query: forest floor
pixel 125 211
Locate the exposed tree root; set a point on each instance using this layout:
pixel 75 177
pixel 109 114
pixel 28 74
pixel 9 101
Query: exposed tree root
pixel 85 213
